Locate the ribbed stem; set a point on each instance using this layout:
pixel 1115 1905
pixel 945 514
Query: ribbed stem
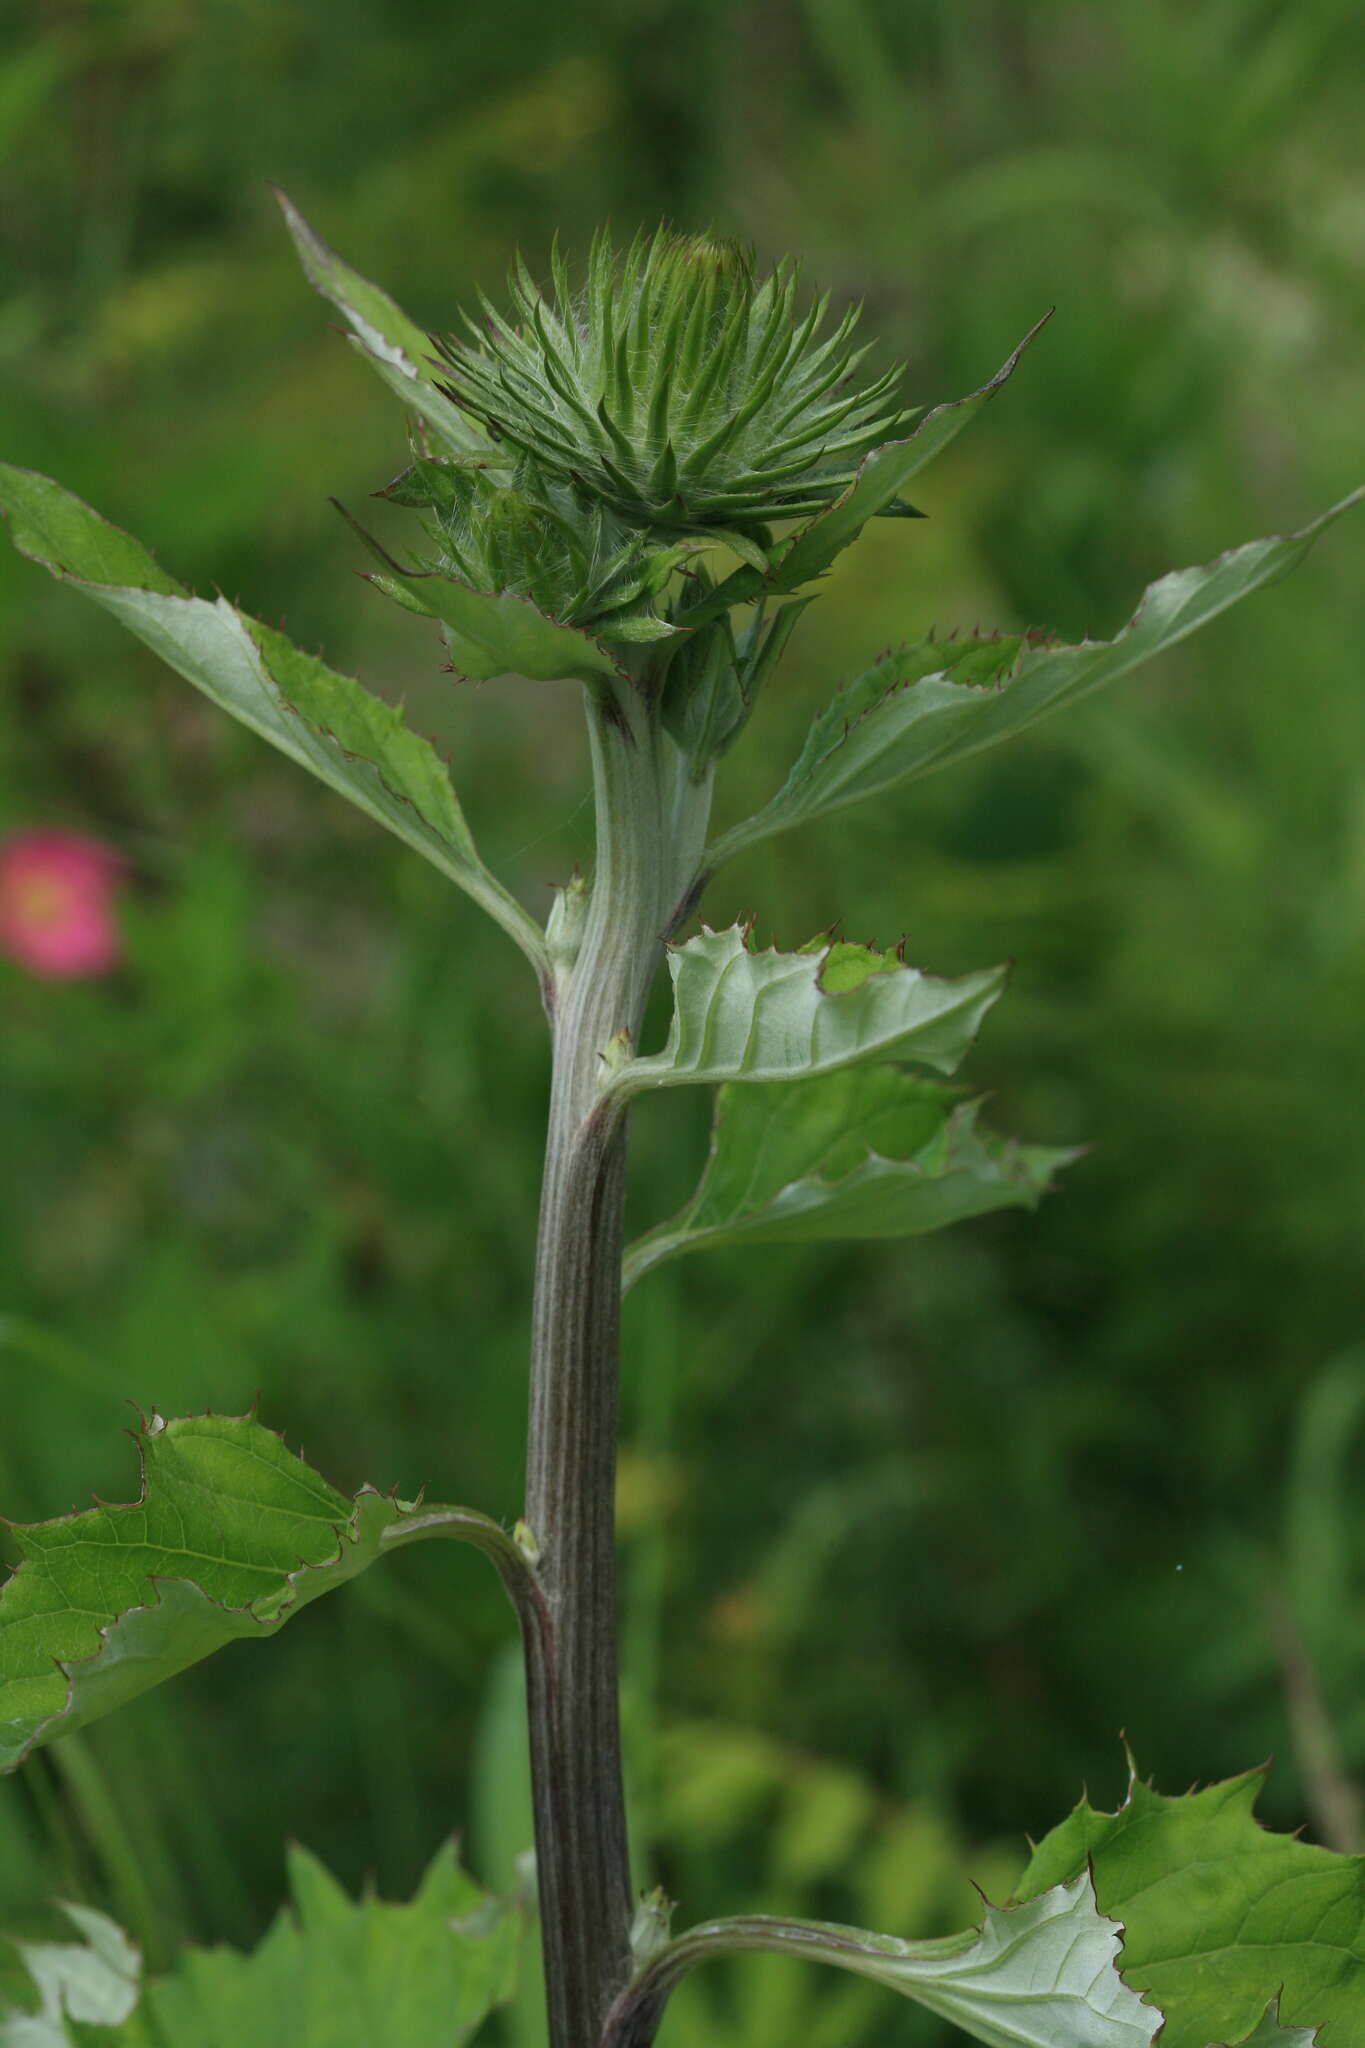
pixel 582 1863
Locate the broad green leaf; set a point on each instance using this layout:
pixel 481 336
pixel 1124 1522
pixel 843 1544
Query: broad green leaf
pixel 745 1016
pixel 396 345
pixel 867 1151
pixel 231 1535
pixel 330 1971
pixel 936 702
pixel 354 742
pixel 1221 1915
pixel 1270 2034
pixel 1039 1975
pixel 421 1975
pixel 95 1981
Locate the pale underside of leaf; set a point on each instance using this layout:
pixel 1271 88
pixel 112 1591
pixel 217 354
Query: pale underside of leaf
pixel 927 705
pixel 1040 1975
pixel 1222 1916
pixel 354 742
pixel 865 1152
pixel 95 1981
pixel 1036 1974
pixel 398 348
pixel 739 1015
pixel 231 1535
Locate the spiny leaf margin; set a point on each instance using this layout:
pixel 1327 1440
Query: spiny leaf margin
pixel 1220 1913
pixel 864 1152
pixel 103 1605
pixel 329 723
pixel 931 703
pixel 744 1015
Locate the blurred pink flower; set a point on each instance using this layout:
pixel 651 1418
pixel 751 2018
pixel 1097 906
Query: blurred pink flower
pixel 57 894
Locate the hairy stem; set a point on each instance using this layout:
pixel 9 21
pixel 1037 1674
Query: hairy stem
pixel 645 838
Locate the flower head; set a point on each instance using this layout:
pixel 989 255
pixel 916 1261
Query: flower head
pixel 679 388
pixel 57 894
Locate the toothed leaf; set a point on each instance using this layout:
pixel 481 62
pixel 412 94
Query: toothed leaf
pixel 936 702
pixel 739 1015
pixel 1040 1975
pixel 352 741
pixel 231 1535
pixel 424 1974
pixel 1268 2033
pixel 865 1152
pixel 1033 1976
pixel 396 345
pixel 421 1975
pixel 1220 1914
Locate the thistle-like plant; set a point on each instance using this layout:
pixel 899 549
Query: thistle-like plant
pixel 577 466
pixel 678 387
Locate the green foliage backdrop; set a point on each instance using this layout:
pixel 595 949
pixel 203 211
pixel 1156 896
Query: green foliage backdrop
pixel 913 1530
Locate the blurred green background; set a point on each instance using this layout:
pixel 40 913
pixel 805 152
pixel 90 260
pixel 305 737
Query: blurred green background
pixel 910 1533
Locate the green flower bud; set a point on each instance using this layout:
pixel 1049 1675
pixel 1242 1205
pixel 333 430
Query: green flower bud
pixel 678 389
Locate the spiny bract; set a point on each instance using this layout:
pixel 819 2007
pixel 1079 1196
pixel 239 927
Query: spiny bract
pixel 678 388
pixel 532 532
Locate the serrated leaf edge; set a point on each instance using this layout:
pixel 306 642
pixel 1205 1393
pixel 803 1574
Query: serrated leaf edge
pixel 624 1075
pixel 673 1237
pixel 471 875
pixel 152 1425
pixel 767 821
pixel 519 597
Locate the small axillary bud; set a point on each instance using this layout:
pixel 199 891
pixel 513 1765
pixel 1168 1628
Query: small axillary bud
pixel 618 1052
pixel 649 1928
pixel 565 924
pixel 527 1542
